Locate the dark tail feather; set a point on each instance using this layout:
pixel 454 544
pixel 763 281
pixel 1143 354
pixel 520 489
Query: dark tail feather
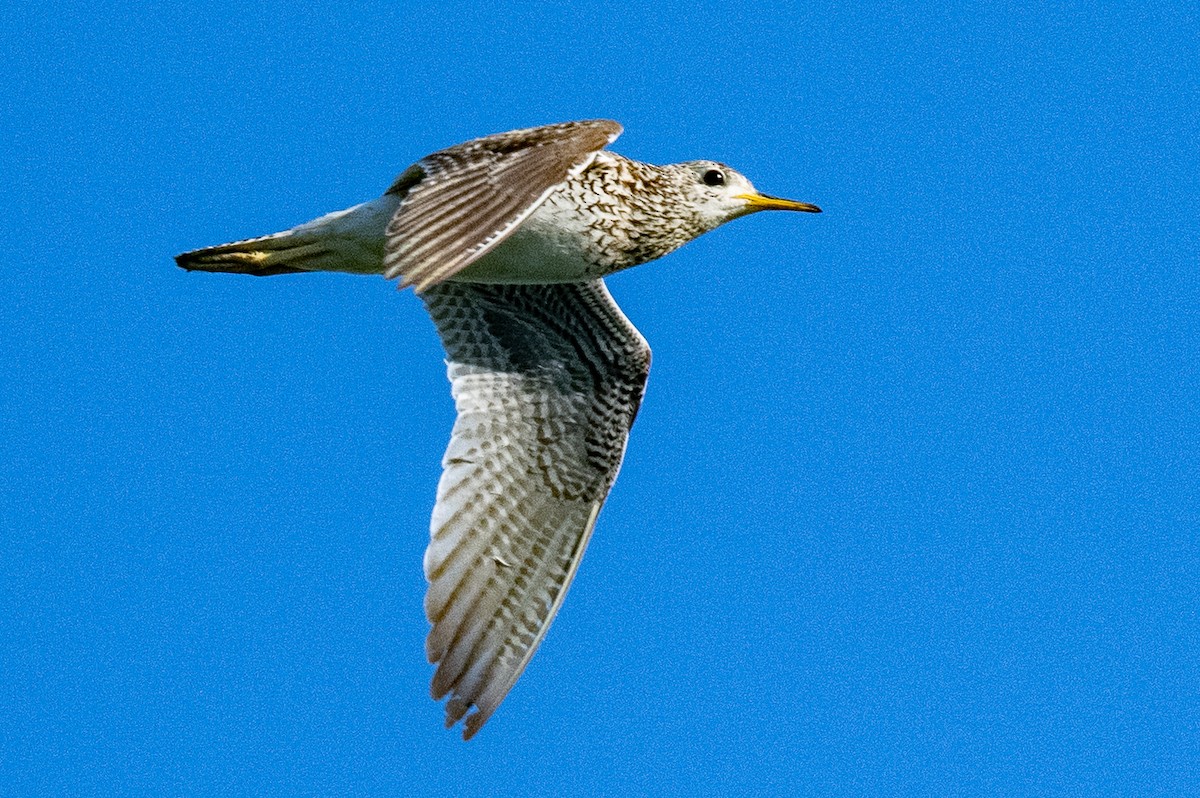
pixel 282 253
pixel 193 264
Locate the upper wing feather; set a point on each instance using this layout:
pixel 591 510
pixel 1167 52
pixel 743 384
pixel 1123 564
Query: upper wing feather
pixel 547 380
pixel 461 202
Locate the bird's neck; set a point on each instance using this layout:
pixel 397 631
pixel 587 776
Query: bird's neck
pixel 636 206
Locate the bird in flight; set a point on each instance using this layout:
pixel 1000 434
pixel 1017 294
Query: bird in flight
pixel 507 239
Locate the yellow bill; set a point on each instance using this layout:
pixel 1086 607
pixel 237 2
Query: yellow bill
pixel 765 202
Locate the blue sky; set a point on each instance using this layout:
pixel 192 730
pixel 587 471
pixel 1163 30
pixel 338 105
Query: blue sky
pixel 911 507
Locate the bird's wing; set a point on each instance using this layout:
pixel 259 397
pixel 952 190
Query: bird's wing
pixel 461 202
pixel 547 380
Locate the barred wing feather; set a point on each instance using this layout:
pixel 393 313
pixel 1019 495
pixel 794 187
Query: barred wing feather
pixel 547 380
pixel 460 202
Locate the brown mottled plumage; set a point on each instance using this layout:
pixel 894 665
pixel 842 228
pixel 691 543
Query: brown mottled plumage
pixel 506 238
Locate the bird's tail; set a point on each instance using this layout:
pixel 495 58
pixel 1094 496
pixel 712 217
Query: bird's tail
pixel 343 241
pixel 280 253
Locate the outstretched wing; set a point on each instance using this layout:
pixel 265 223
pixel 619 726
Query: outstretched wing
pixel 547 380
pixel 461 202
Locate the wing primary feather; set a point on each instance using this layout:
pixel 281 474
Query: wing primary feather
pixel 490 700
pixel 455 236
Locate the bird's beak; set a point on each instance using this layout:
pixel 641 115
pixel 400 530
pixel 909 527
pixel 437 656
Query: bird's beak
pixel 765 202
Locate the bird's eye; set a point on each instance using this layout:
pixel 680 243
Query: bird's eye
pixel 714 177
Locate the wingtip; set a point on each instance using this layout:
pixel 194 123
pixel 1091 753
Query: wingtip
pixel 474 723
pixel 614 128
pixel 611 128
pixel 404 281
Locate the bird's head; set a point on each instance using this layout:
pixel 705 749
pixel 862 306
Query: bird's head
pixel 719 194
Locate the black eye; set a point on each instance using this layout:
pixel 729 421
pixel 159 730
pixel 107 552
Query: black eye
pixel 714 177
